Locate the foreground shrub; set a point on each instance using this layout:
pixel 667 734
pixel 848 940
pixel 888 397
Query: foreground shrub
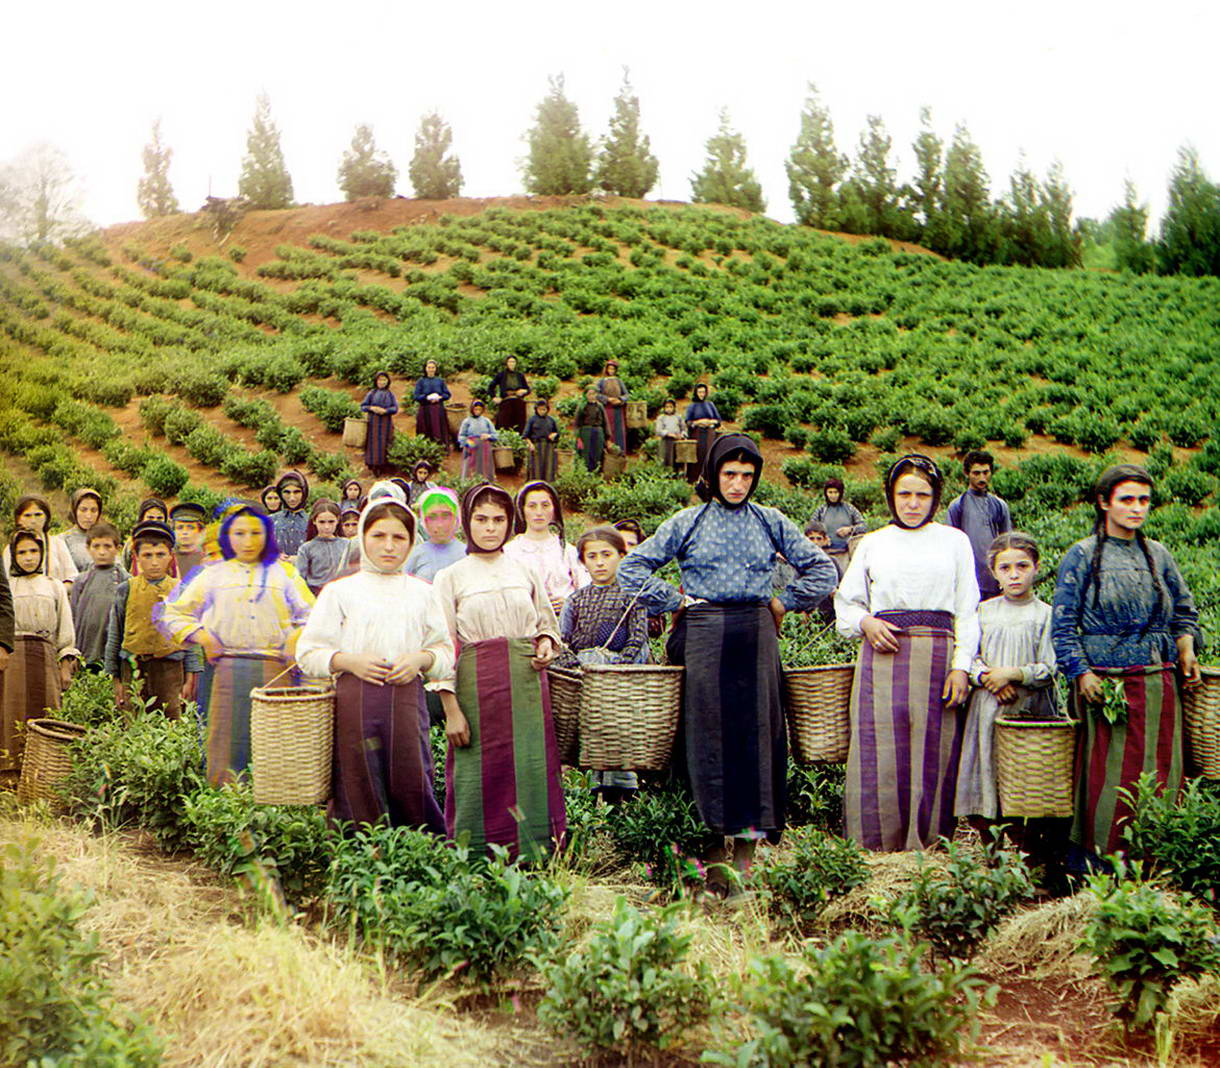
pixel 627 989
pixel 1145 941
pixel 856 1001
pixel 89 701
pixel 406 450
pixel 797 882
pixel 661 830
pixel 164 476
pixel 56 1007
pixel 1179 836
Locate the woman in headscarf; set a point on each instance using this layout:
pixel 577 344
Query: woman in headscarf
pixel 512 388
pixel 475 437
pixel 351 491
pixel 910 593
pixel 612 393
pixel 33 513
pixel 291 522
pixel 702 420
pixel 382 634
pixel 592 426
pixel 380 405
pixel 540 544
pixel 732 740
pixel 272 503
pixel 1123 612
pixel 503 772
pixel 542 435
pixel 431 392
pixel 84 509
pixel 842 521
pixel 421 481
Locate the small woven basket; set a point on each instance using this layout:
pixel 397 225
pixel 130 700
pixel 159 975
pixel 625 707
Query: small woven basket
pixel 686 451
pixel 1201 710
pixel 636 415
pixel 1034 766
pixel 455 412
pixel 355 433
pixel 613 465
pixel 504 458
pixel 48 758
pixel 628 715
pixel 817 701
pixel 291 736
pixel 565 712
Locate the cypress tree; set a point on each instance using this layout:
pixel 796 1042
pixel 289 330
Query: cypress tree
pixel 815 168
pixel 264 178
pixel 560 156
pixel 154 194
pixel 970 225
pixel 929 180
pixel 1129 225
pixel 1190 230
pixel 435 175
pixel 725 178
pixel 626 165
pixel 364 171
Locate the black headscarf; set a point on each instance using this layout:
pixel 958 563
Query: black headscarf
pixel 470 500
pixel 14 568
pixel 300 480
pixel 914 464
pixel 738 447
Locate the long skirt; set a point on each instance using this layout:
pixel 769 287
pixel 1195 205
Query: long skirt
pixel 510 415
pixel 905 744
pixel 382 764
pixel 432 422
pixel 616 416
pixel 230 680
pixel 477 460
pixel 666 452
pixel 377 442
pixel 504 788
pixel 543 462
pixel 30 685
pixel 1111 758
pixel 732 741
pixel 704 437
pixel 592 445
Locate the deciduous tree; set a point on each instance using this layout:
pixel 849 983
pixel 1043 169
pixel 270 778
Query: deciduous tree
pixel 154 194
pixel 626 165
pixel 726 178
pixel 436 174
pixel 560 156
pixel 40 197
pixel 815 167
pixel 264 181
pixel 364 170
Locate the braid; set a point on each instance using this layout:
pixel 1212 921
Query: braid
pixel 1099 533
pixel 1161 595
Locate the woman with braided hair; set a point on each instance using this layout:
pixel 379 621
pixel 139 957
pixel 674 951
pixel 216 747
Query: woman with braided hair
pixel 1123 611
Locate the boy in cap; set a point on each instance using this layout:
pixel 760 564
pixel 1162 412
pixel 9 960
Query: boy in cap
pixel 133 643
pixel 189 521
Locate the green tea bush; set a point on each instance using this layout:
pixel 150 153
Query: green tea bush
pixel 209 446
pixel 629 988
pixel 200 388
pixel 1145 940
pixel 328 466
pixel 165 477
pixel 89 701
pixel 577 486
pixel 181 252
pixel 253 469
pixel 237 253
pixel 661 830
pixel 797 881
pixel 831 445
pixel 1178 837
pixel 331 406
pixel 857 1001
pixel 56 1006
pixel 406 450
pixel 1187 484
pixel 179 423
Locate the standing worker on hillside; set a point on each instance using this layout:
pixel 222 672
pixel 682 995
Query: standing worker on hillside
pixel 732 738
pixel 981 515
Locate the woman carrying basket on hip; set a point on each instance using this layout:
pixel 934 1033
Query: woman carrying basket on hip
pixel 732 736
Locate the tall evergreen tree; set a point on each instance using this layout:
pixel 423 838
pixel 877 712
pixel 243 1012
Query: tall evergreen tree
pixel 815 167
pixel 154 194
pixel 264 177
pixel 1129 225
pixel 969 223
pixel 928 186
pixel 626 165
pixel 871 202
pixel 1190 230
pixel 560 156
pixel 364 171
pixel 726 178
pixel 435 174
pixel 1061 245
pixel 1026 227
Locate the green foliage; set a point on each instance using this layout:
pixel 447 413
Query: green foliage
pixel 264 180
pixel 406 450
pixel 181 252
pixel 726 178
pixel 1190 229
pixel 629 989
pixel 253 469
pixel 560 156
pixel 237 253
pixel 154 194
pixel 1178 837
pixel 364 171
pixel 661 829
pixel 165 477
pixel 56 1005
pixel 954 907
pixel 831 445
pixel 626 165
pixel 815 167
pixel 857 1001
pixel 331 406
pixel 1145 940
pixel 815 796
pixel 89 701
pixel 797 881
pixel 435 174
pixel 647 492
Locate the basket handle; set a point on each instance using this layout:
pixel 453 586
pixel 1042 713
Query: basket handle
pixel 290 666
pixel 813 637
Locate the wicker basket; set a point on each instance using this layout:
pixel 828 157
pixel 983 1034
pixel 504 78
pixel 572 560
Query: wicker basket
pixel 291 735
pixel 504 458
pixel 613 465
pixel 565 712
pixel 1034 766
pixel 686 451
pixel 48 758
pixel 1201 709
pixel 455 412
pixel 637 414
pixel 817 701
pixel 355 433
pixel 628 715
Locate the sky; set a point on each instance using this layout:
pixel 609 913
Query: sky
pixel 1111 90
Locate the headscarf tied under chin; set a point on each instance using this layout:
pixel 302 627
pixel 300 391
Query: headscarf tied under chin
pixel 14 568
pixel 471 499
pixel 387 504
pixel 737 447
pixel 519 523
pixel 914 464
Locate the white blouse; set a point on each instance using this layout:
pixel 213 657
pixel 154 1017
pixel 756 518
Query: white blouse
pixel 930 569
pixel 553 561
pixel 387 616
pixel 41 610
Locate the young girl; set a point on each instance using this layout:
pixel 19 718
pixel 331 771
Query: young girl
pixel 438 510
pixel 34 514
pixel 592 427
pixel 351 492
pixel 475 437
pixel 349 519
pixel 542 433
pixel 669 428
pixel 1014 671
pixel 540 545
pixel 503 773
pixel 44 645
pixel 381 632
pixel 84 509
pixel 271 500
pixel 421 482
pixel 245 611
pixel 322 556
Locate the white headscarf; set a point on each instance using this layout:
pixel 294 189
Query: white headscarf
pixel 384 493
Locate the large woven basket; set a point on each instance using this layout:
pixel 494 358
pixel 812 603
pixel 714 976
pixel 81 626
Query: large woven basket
pixel 355 433
pixel 48 758
pixel 613 465
pixel 455 412
pixel 291 735
pixel 504 458
pixel 636 415
pixel 686 451
pixel 628 715
pixel 1201 710
pixel 817 701
pixel 1034 766
pixel 565 712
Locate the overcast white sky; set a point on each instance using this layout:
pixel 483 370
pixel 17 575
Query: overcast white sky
pixel 1110 89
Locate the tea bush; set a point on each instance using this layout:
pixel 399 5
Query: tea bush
pixel 796 882
pixel 331 406
pixel 856 1001
pixel 661 830
pixel 406 450
pixel 1179 837
pixel 89 701
pixel 627 989
pixel 164 477
pixel 815 796
pixel 254 469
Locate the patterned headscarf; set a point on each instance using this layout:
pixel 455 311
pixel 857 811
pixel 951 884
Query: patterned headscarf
pixel 437 497
pixel 914 464
pixel 470 501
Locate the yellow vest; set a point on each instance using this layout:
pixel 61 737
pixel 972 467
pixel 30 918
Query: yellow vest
pixel 140 637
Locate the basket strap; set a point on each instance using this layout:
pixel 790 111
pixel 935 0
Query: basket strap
pixel 268 685
pixel 812 638
pixel 622 619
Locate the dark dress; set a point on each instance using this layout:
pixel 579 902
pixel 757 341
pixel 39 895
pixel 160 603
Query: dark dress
pixel 591 427
pixel 381 427
pixel 510 415
pixel 544 457
pixel 703 435
pixel 430 419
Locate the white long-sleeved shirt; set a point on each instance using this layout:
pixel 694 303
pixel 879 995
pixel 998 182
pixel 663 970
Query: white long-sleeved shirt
pixel 929 569
pixel 386 616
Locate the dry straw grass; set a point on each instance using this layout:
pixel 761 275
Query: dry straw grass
pixel 221 993
pixel 1042 942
